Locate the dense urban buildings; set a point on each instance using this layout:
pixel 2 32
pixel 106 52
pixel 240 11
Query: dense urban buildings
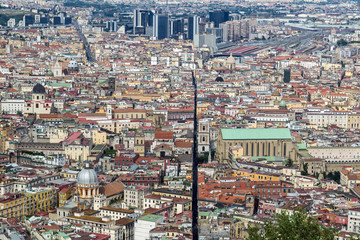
pixel 101 130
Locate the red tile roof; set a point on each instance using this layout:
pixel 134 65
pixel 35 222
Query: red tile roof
pixel 163 135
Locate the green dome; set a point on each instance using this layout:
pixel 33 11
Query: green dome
pixel 57 94
pixel 282 103
pixel 50 73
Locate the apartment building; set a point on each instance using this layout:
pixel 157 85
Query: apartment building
pixel 116 213
pixel 12 106
pixel 27 203
pixel 134 195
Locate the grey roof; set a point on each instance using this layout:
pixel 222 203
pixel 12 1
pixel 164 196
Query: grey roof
pixel 87 176
pixel 38 88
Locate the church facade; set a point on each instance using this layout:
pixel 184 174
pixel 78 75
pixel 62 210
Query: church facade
pixel 38 103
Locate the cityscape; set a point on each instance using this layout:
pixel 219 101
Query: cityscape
pixel 179 120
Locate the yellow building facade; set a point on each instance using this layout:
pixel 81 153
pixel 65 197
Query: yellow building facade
pixel 28 203
pixel 99 137
pixel 256 176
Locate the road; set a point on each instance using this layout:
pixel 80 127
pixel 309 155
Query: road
pixel 89 54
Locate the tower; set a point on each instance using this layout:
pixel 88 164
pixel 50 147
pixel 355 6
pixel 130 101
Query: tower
pixel 108 111
pixel 203 136
pixel 193 26
pixel 161 26
pixel 140 142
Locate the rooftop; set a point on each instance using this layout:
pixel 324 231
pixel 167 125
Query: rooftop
pixel 255 133
pixel 151 218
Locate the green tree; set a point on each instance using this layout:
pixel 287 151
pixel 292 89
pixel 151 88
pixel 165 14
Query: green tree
pixel 305 171
pixel 334 176
pixel 289 162
pixel 287 75
pixel 299 226
pixel 341 42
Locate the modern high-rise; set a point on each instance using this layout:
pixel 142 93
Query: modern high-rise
pixel 28 20
pixel 57 20
pixel 176 26
pixel 68 20
pixel 238 29
pixel 37 18
pixel 218 16
pixel 193 26
pixel 161 26
pixel 205 39
pixel 111 26
pixel 62 17
pixel 142 20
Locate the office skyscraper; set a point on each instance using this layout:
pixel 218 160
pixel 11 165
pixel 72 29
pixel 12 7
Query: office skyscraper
pixel 68 20
pixel 37 18
pixel 193 26
pixel 111 26
pixel 161 26
pixel 176 26
pixel 142 20
pixel 218 16
pixel 57 20
pixel 28 20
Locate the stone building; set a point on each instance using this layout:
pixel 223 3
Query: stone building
pixel 38 103
pixel 256 142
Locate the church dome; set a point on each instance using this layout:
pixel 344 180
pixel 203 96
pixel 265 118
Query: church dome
pixel 219 79
pixel 282 103
pixel 39 89
pixel 88 177
pixel 50 73
pixel 230 60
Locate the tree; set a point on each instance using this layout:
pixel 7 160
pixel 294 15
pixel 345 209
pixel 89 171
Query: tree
pixel 289 162
pixel 335 176
pixel 341 42
pixel 287 75
pixel 203 158
pixel 305 171
pixel 342 64
pixel 298 226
